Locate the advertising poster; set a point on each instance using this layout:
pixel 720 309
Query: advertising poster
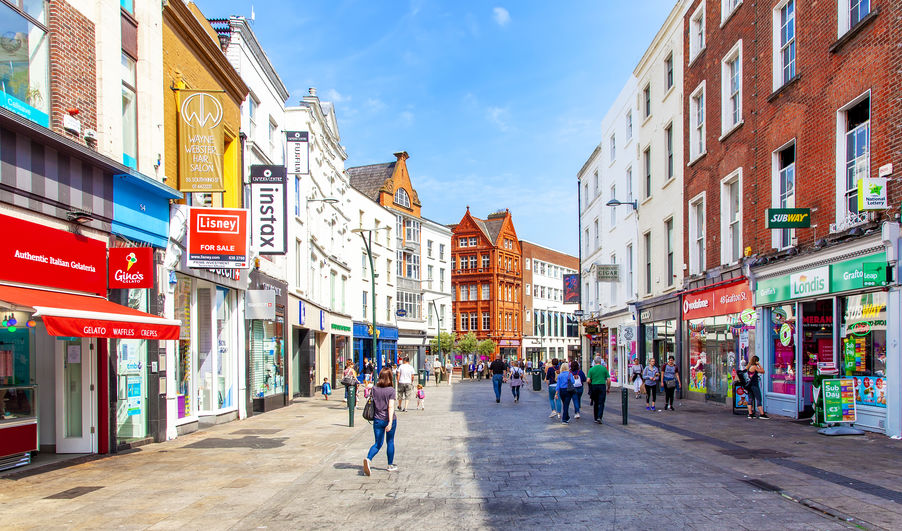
pixel 839 400
pixel 200 142
pixel 741 398
pixel 269 214
pixel 571 289
pixel 298 161
pixel 133 386
pixel 870 390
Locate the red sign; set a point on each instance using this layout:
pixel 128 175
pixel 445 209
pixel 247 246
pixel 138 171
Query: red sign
pixel 131 267
pixel 717 301
pixel 79 327
pixel 217 238
pixel 31 253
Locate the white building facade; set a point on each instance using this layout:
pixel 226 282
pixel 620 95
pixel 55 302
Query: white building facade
pixel 436 259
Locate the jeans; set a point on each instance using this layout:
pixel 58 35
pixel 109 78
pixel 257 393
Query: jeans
pixel 515 390
pixel 554 402
pixel 566 397
pixel 497 380
pixel 598 393
pixel 577 398
pixel 380 433
pixel 426 372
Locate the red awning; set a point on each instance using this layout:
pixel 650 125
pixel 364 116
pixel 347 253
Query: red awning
pixel 70 315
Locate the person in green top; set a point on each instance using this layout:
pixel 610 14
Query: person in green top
pixel 599 380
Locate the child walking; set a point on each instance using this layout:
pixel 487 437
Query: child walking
pixel 421 397
pixel 327 389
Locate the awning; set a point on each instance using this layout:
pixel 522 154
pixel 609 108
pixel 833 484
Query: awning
pixel 70 315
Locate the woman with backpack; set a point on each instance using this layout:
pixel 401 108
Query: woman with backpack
pixel 671 381
pixel 565 387
pixel 651 375
pixel 579 378
pixel 551 371
pixel 516 380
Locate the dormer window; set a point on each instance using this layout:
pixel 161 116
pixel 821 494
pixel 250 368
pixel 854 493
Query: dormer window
pixel 401 198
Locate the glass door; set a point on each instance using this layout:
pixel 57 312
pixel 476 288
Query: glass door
pixel 75 396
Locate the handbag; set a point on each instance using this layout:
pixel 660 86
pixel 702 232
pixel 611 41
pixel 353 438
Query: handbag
pixel 670 384
pixel 348 381
pixel 369 410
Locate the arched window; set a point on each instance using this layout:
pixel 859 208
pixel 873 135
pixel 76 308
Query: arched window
pixel 401 198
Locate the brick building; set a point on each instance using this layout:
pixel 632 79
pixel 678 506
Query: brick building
pixel 486 280
pixel 789 105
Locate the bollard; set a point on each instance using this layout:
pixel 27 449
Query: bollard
pixel 352 403
pixel 624 403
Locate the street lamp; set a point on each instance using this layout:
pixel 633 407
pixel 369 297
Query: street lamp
pixel 368 244
pixel 616 202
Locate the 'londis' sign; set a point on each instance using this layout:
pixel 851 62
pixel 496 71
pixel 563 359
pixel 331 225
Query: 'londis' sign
pixel 788 218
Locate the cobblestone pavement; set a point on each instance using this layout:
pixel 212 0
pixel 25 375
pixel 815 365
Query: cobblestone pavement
pixel 464 462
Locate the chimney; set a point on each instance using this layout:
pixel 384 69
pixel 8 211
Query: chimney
pixel 312 91
pixel 402 155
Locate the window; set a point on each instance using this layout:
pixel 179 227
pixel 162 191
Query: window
pixel 298 270
pixel 411 231
pixel 586 195
pixel 474 321
pixel 629 184
pixel 401 198
pixel 473 262
pixel 441 279
pixel 486 292
pixel 851 12
pixel 697 32
pixel 785 43
pixel 785 190
pixel 473 241
pixel 646 98
pixel 409 265
pixel 646 165
pixel 527 263
pixel 273 135
pixel 697 235
pixel 528 288
pixel 129 113
pixel 297 196
pixel 727 7
pixel 486 261
pixel 668 231
pixel 365 306
pixel 613 209
pixel 429 248
pixel 597 189
pixel 441 251
pixel 597 236
pixel 464 321
pixel 855 154
pixel 428 315
pixel 411 303
pixel 697 122
pixel 388 308
pixel 630 284
pixel 613 147
pixel 668 68
pixel 731 88
pixel 128 5
pixel 486 321
pixel 586 239
pixel 668 136
pixel 26 62
pixel 629 134
pixel 473 292
pixel 252 105
pixel 647 237
pixel 731 217
pixel 428 275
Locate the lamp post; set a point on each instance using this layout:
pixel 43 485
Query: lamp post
pixel 624 392
pixel 368 244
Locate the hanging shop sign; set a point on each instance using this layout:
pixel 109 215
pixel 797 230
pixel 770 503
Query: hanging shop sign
pixel 130 267
pixel 269 214
pixel 839 400
pixel 607 272
pixel 872 194
pixel 856 273
pixel 788 218
pixel 31 253
pixel 626 334
pixel 296 144
pixel 723 300
pixel 260 304
pixel 217 238
pixel 571 289
pixel 200 142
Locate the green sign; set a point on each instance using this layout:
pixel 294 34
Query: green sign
pixel 839 400
pixel 857 273
pixel 788 218
pixel 872 194
pixel 849 356
pixel 343 328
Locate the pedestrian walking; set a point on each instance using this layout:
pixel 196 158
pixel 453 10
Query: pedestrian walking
pixel 498 369
pixel 384 398
pixel 551 380
pixel 599 381
pixel 579 378
pixel 327 389
pixel 516 379
pixel 349 379
pixel 421 397
pixel 651 375
pixel 565 386
pixel 437 369
pixel 671 381
pixel 636 376
pixel 426 370
pixel 754 389
pixel 449 370
pixel 368 370
pixel 405 383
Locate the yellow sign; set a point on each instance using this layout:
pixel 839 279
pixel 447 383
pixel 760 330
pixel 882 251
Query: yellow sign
pixel 200 142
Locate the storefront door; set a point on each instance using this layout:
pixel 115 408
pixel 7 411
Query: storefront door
pixel 75 396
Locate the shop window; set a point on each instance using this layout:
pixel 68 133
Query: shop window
pixel 863 340
pixel 716 345
pixel 24 61
pixel 267 358
pixel 184 363
pixel 781 364
pixel 131 403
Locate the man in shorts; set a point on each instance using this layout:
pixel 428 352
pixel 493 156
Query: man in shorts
pixel 405 383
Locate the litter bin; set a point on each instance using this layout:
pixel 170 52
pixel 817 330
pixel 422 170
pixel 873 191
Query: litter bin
pixel 536 381
pixel 422 377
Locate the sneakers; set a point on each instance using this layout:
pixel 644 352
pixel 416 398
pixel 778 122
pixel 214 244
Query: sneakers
pixel 366 466
pixel 565 422
pixel 576 416
pixel 552 415
pixel 598 421
pixel 764 416
pixel 497 400
pixel 751 416
pixel 652 408
pixel 647 408
pixel 392 468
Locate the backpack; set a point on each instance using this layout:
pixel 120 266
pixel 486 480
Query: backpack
pixel 744 378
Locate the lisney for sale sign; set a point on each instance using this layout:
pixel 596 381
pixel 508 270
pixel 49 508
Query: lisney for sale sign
pixel 217 238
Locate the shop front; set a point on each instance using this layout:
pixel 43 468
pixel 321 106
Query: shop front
pixel 305 320
pixel 341 328
pixel 55 346
pixel 412 345
pixel 718 329
pixel 835 312
pixel 265 305
pixel 658 331
pixel 509 349
pixel 386 345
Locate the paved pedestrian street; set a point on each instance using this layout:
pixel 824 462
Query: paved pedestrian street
pixel 468 463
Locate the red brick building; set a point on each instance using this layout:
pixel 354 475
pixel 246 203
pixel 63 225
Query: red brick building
pixel 486 280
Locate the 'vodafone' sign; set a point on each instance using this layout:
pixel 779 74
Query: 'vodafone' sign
pixel 717 301
pixel 217 238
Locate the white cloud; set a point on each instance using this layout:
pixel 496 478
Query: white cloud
pixel 336 97
pixel 499 117
pixel 407 117
pixel 502 16
pixel 374 104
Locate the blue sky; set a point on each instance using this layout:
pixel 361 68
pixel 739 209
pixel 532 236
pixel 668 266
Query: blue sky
pixel 499 104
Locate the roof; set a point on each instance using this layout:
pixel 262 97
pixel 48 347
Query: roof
pixel 493 228
pixel 369 180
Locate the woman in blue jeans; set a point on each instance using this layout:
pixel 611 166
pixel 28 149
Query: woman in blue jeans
pixel 384 398
pixel 579 378
pixel 551 378
pixel 565 391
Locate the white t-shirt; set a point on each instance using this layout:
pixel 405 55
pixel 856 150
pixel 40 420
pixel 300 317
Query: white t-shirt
pixel 405 374
pixel 437 364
